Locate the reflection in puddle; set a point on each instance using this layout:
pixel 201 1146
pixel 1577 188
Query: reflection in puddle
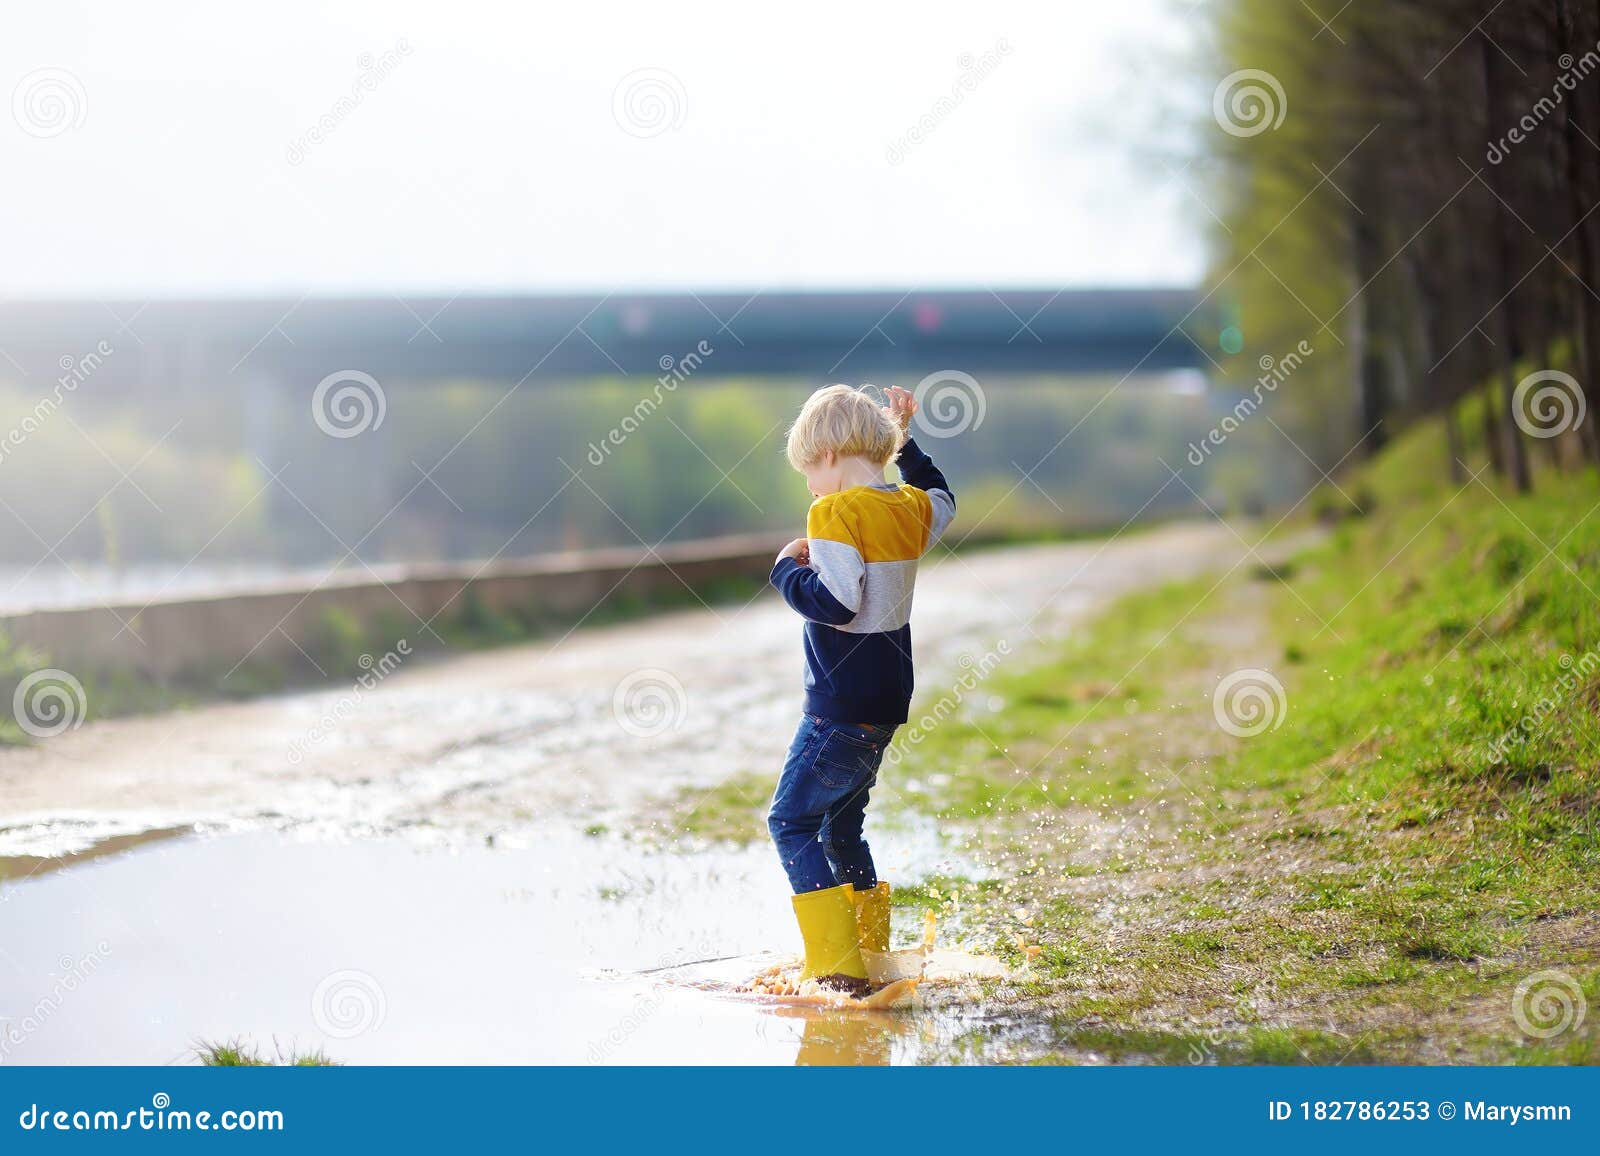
pixel 15 869
pixel 57 843
pixel 382 952
pixel 844 1039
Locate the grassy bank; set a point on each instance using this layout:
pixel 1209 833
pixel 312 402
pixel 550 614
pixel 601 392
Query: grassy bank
pixel 342 648
pixel 1362 866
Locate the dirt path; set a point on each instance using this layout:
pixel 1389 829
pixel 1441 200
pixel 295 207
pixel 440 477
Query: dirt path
pixel 587 726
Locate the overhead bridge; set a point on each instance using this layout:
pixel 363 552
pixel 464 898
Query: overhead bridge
pixel 182 345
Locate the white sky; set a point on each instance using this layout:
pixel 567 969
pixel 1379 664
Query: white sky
pixel 490 158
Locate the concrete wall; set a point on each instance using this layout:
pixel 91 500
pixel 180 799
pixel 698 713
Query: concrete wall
pixel 206 637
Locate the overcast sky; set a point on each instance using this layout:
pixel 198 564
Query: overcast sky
pixel 165 147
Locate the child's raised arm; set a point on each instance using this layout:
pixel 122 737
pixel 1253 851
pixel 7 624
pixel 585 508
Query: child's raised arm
pixel 917 468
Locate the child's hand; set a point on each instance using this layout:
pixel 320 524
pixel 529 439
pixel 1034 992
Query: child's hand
pixel 799 550
pixel 902 407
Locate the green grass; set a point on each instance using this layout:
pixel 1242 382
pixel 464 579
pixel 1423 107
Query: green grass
pixel 1375 861
pixel 240 1053
pixel 475 625
pixel 336 647
pixel 1022 757
pixel 939 892
pixel 1247 1046
pixel 729 812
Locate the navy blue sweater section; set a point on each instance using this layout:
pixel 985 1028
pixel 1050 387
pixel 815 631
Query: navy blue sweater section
pixel 855 677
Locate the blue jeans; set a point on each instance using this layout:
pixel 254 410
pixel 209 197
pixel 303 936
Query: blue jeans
pixel 821 803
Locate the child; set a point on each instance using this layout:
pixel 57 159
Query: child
pixel 851 578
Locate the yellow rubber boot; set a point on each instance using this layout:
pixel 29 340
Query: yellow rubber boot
pixel 828 925
pixel 872 917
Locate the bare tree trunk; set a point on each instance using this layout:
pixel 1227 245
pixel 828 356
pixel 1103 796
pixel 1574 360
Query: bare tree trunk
pixel 1454 445
pixel 1365 361
pixel 1491 421
pixel 1585 235
pixel 1437 392
pixel 1516 458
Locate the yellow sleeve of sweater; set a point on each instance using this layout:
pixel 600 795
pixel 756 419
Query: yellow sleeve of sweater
pixel 825 521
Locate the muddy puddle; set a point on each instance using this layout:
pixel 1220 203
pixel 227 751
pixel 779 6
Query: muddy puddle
pixel 562 948
pixel 412 881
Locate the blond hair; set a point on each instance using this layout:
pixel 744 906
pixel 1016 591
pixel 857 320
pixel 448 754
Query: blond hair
pixel 842 420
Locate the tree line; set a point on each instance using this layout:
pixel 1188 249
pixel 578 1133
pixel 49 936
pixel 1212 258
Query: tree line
pixel 1410 186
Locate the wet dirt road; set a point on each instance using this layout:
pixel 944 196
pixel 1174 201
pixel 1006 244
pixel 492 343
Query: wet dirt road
pixel 597 722
pixel 415 872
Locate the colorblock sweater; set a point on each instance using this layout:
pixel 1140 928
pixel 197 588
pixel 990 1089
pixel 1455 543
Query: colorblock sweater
pixel 855 595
